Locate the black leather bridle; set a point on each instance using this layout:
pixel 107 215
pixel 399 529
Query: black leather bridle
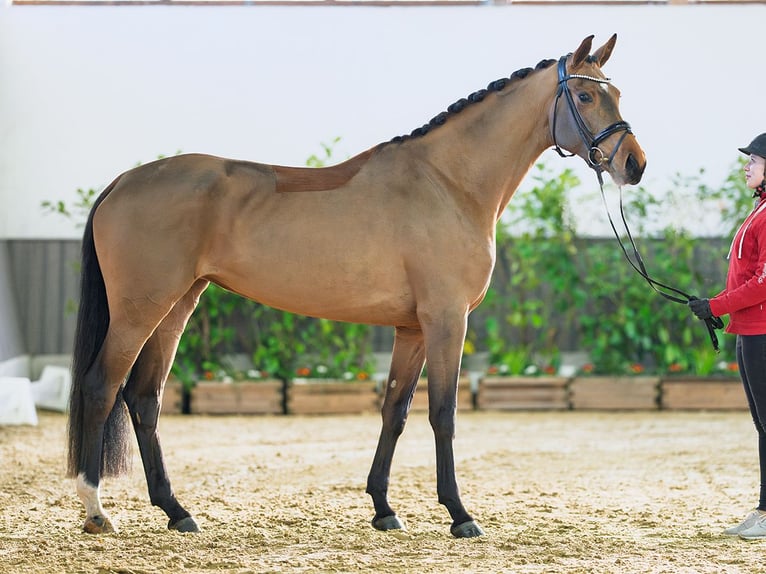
pixel 597 160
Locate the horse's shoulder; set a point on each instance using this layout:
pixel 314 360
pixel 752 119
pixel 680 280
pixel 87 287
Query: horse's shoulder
pixel 322 178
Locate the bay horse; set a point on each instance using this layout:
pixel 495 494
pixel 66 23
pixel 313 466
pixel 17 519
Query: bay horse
pixel 402 235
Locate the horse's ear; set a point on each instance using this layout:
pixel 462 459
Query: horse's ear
pixel 602 54
pixel 582 52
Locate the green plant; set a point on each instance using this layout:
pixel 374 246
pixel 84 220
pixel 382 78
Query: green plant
pixel 78 210
pixel 644 328
pixel 551 281
pixel 628 323
pixel 290 346
pixel 208 338
pixel 704 361
pixel 514 362
pixel 328 149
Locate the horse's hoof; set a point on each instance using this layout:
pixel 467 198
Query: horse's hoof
pixel 184 525
pixel 390 522
pixel 467 530
pixel 98 525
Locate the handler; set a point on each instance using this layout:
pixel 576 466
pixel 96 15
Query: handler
pixel 744 300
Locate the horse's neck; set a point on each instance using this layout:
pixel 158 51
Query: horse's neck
pixel 485 151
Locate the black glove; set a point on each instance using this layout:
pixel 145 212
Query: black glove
pixel 701 308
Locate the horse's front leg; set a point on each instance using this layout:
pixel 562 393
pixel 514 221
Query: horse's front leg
pixel 406 365
pixel 444 349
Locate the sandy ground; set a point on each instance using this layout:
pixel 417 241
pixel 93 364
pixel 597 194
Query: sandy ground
pixel 565 492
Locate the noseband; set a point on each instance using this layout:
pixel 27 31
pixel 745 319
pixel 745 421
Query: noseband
pixel 596 158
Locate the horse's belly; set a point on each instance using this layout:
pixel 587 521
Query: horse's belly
pixel 347 298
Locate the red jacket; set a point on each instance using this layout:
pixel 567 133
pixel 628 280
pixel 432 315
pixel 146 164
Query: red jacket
pixel 744 298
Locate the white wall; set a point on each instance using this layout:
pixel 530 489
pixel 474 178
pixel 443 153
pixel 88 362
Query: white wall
pixel 87 92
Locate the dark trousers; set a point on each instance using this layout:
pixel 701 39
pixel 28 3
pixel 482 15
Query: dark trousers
pixel 751 357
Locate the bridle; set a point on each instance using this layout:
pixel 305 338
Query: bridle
pixel 597 160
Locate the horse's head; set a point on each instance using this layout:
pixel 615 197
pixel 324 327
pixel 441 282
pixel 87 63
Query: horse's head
pixel 585 117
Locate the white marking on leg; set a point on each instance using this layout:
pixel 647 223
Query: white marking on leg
pixel 393 384
pixel 89 495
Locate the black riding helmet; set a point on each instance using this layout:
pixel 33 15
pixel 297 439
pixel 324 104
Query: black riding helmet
pixel 757 147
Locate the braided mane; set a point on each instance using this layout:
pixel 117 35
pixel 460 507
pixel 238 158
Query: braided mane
pixel 475 97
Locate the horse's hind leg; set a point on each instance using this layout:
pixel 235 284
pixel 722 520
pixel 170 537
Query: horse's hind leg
pixel 406 365
pixel 143 395
pixel 101 416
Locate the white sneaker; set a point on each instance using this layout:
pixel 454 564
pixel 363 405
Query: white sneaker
pixel 749 521
pixel 756 531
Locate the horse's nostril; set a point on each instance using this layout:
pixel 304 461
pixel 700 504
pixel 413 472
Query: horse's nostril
pixel 631 164
pixel 632 169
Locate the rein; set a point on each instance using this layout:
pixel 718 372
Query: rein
pixel 596 159
pixel 712 323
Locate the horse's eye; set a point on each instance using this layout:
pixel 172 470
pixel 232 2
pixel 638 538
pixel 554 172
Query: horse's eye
pixel 585 98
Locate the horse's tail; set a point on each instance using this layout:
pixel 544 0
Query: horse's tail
pixel 92 326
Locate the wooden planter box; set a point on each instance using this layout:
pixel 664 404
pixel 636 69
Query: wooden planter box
pixel 517 393
pixel 615 393
pixel 172 398
pixel 326 397
pixel 709 393
pixel 420 398
pixel 240 398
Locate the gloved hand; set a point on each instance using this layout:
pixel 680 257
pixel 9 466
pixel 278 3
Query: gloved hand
pixel 701 308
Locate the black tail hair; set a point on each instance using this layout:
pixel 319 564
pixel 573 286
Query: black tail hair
pixel 92 325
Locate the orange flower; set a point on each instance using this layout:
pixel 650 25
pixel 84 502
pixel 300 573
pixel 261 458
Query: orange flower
pixel 209 375
pixel 550 370
pixel 303 372
pixel 588 368
pixel 733 367
pixel 675 368
pixel 362 376
pixel 492 370
pixel 636 368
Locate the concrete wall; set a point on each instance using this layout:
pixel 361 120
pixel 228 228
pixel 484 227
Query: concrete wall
pixel 89 91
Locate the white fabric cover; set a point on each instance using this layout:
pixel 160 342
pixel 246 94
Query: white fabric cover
pixel 17 405
pixel 51 392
